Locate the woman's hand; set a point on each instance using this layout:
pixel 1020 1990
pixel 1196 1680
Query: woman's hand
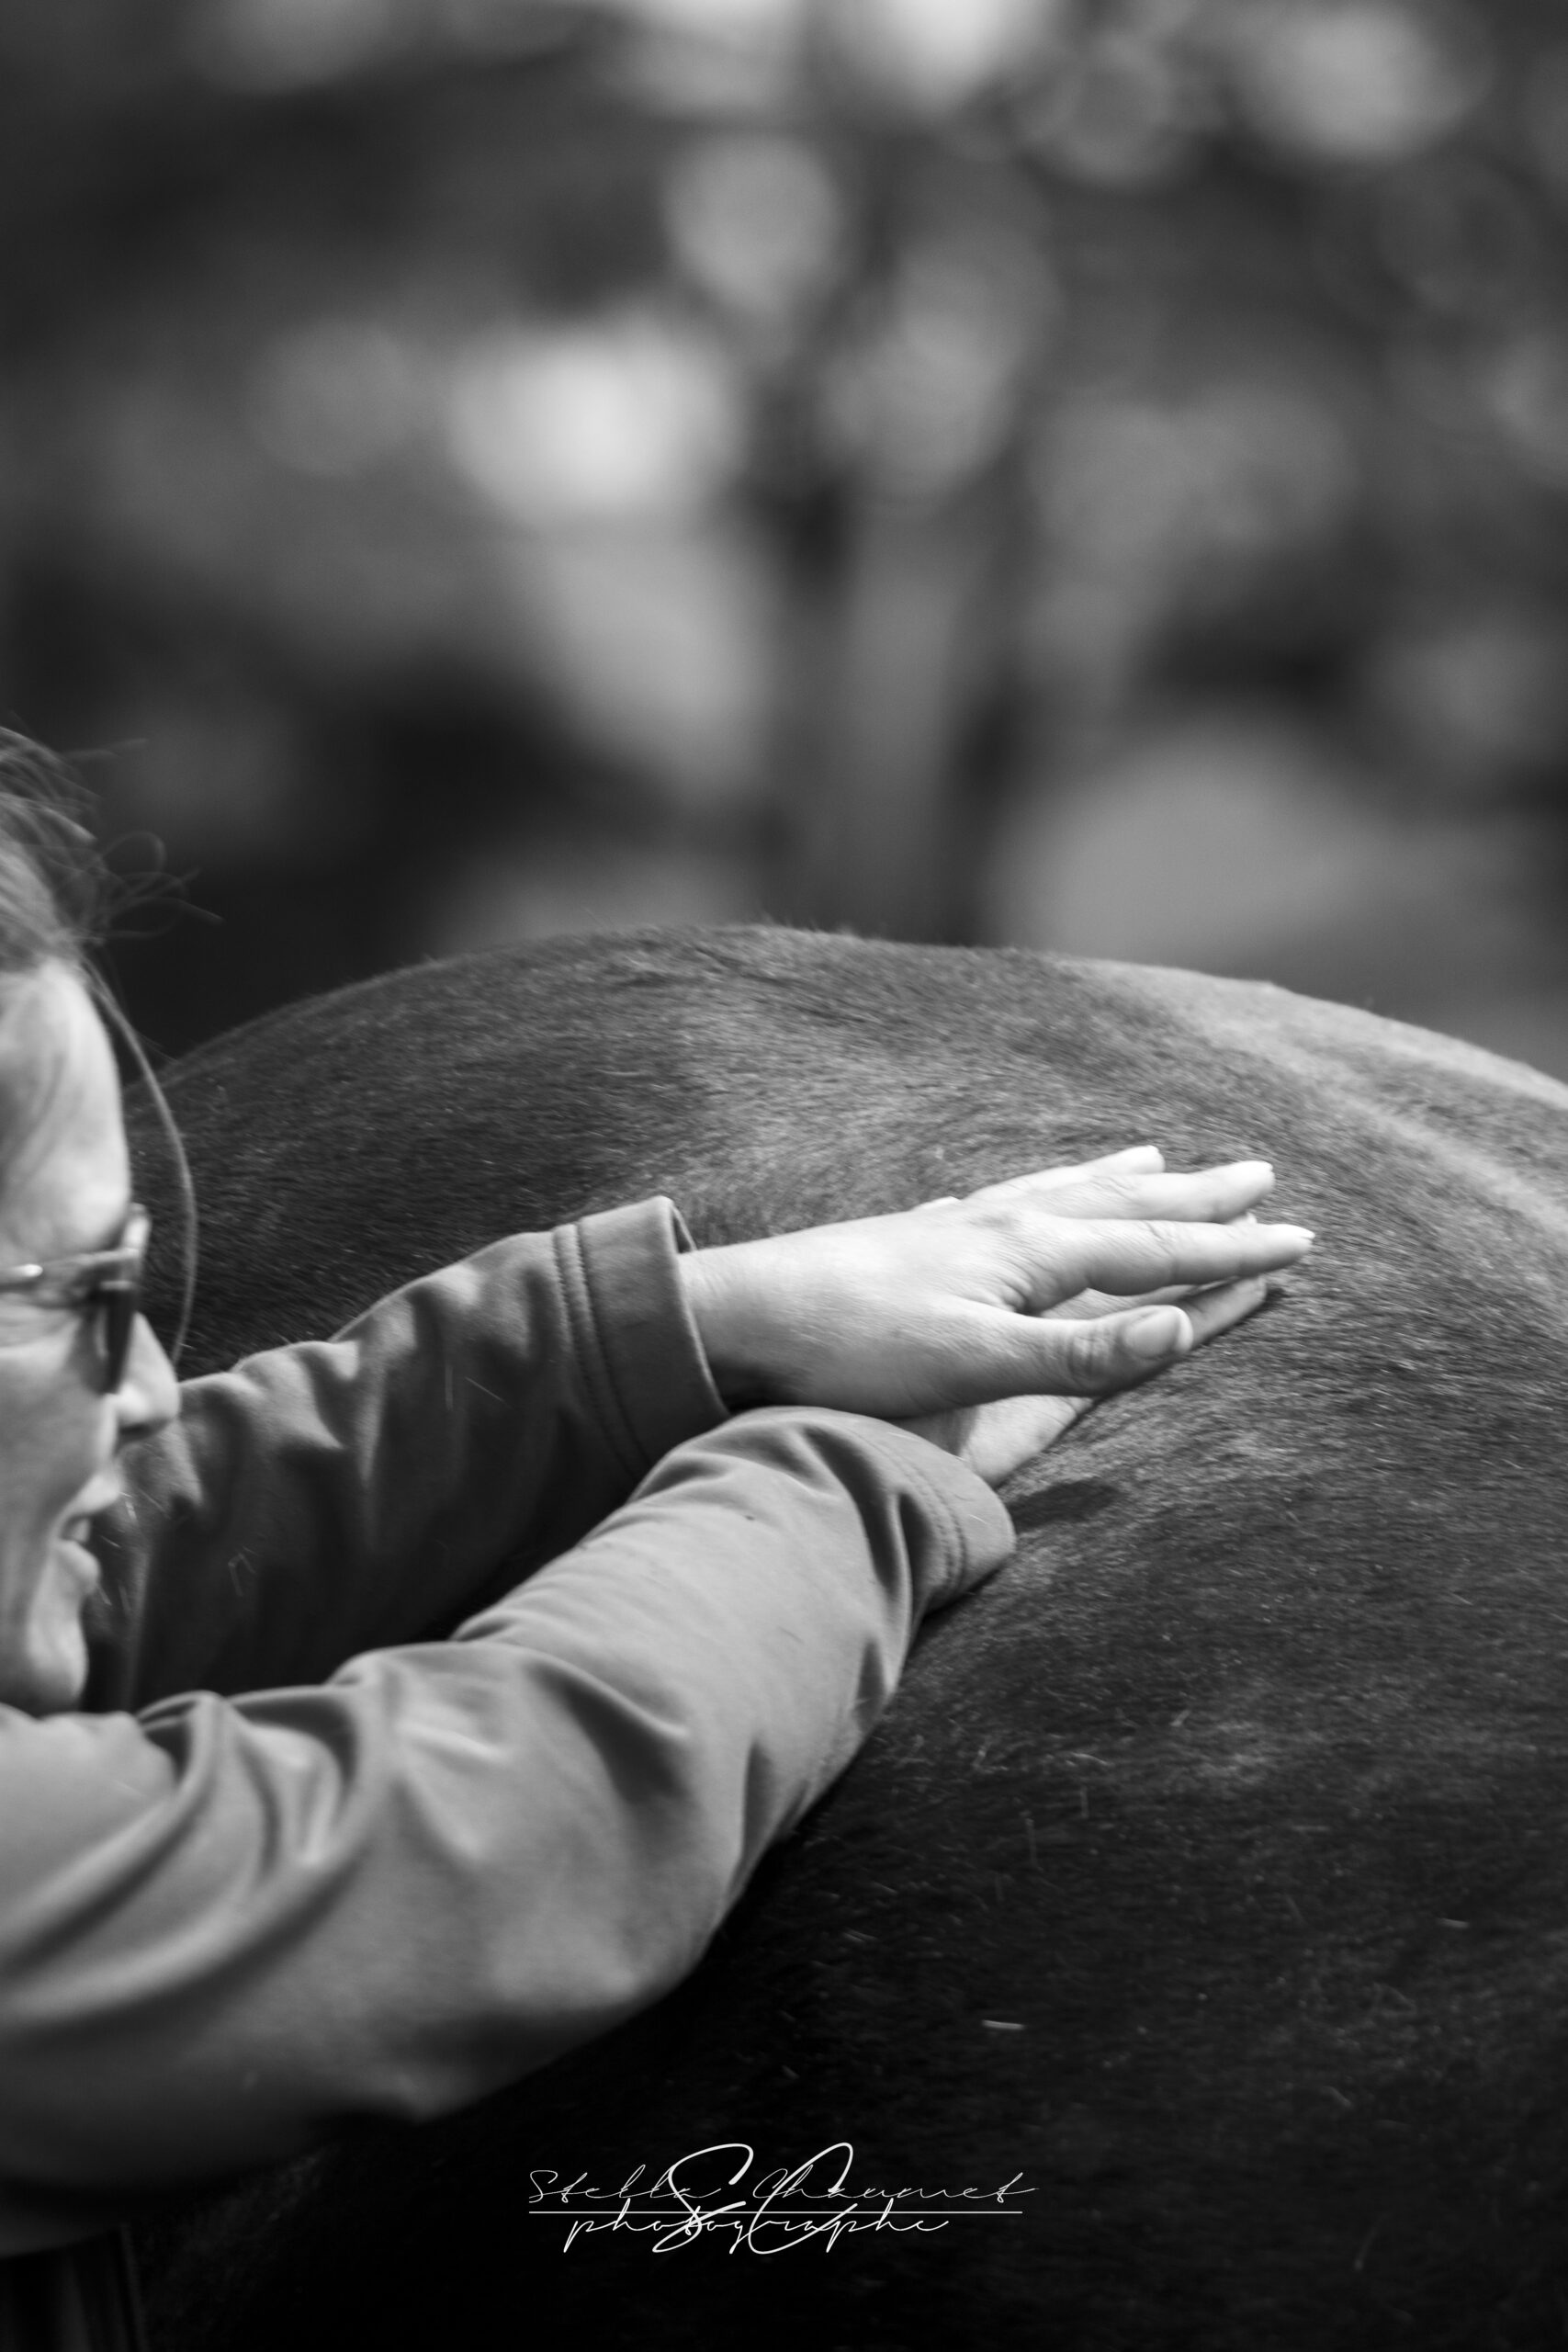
pixel 996 1440
pixel 960 1304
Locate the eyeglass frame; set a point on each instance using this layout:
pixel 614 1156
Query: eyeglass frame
pixel 109 1280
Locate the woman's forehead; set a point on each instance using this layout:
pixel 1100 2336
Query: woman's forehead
pixel 64 1171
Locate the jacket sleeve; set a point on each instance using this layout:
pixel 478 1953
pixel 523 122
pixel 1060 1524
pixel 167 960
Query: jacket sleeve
pixel 377 1488
pixel 228 1926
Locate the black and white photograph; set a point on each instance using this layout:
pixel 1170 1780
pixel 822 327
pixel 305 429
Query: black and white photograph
pixel 783 1175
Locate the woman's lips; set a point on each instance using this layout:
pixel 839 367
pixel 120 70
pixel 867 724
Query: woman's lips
pixel 79 1561
pixel 91 1503
pixel 76 1533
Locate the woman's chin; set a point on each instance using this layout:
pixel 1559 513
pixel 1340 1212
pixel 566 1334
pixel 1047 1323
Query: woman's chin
pixel 45 1672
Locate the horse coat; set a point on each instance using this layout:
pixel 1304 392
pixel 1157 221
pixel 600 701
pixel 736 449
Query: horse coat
pixel 1209 1877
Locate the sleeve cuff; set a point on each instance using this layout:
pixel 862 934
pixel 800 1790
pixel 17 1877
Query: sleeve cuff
pixel 980 1531
pixel 654 1384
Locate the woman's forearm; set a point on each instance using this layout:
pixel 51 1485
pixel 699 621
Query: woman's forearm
pixel 226 1927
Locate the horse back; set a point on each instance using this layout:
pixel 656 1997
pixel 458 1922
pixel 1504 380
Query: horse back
pixel 1209 1874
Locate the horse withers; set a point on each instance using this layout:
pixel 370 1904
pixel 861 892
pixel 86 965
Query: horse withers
pixel 1207 1885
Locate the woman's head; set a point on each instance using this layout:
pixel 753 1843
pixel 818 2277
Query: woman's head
pixel 65 1190
pixel 53 890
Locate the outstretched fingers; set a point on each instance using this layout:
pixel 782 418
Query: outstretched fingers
pixel 1128 1258
pixel 1124 1189
pixel 1138 1159
pixel 1096 1180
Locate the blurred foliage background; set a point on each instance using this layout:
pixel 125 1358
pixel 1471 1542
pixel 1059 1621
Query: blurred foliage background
pixel 1090 473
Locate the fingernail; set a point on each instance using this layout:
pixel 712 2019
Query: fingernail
pixel 1159 1333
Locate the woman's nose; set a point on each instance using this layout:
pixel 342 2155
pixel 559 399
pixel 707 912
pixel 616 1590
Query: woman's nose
pixel 149 1397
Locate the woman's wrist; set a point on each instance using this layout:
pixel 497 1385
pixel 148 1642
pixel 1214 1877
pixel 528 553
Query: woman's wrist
pixel 709 1297
pixel 722 1294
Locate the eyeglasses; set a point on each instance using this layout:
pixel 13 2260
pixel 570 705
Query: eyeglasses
pixel 106 1282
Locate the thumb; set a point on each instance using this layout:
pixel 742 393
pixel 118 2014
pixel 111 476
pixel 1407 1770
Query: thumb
pixel 1092 1356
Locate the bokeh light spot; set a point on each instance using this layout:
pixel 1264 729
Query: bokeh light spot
pixel 630 415
pixel 657 637
pixel 927 396
pixel 755 222
pixel 1122 112
pixel 1356 81
pixel 935 54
